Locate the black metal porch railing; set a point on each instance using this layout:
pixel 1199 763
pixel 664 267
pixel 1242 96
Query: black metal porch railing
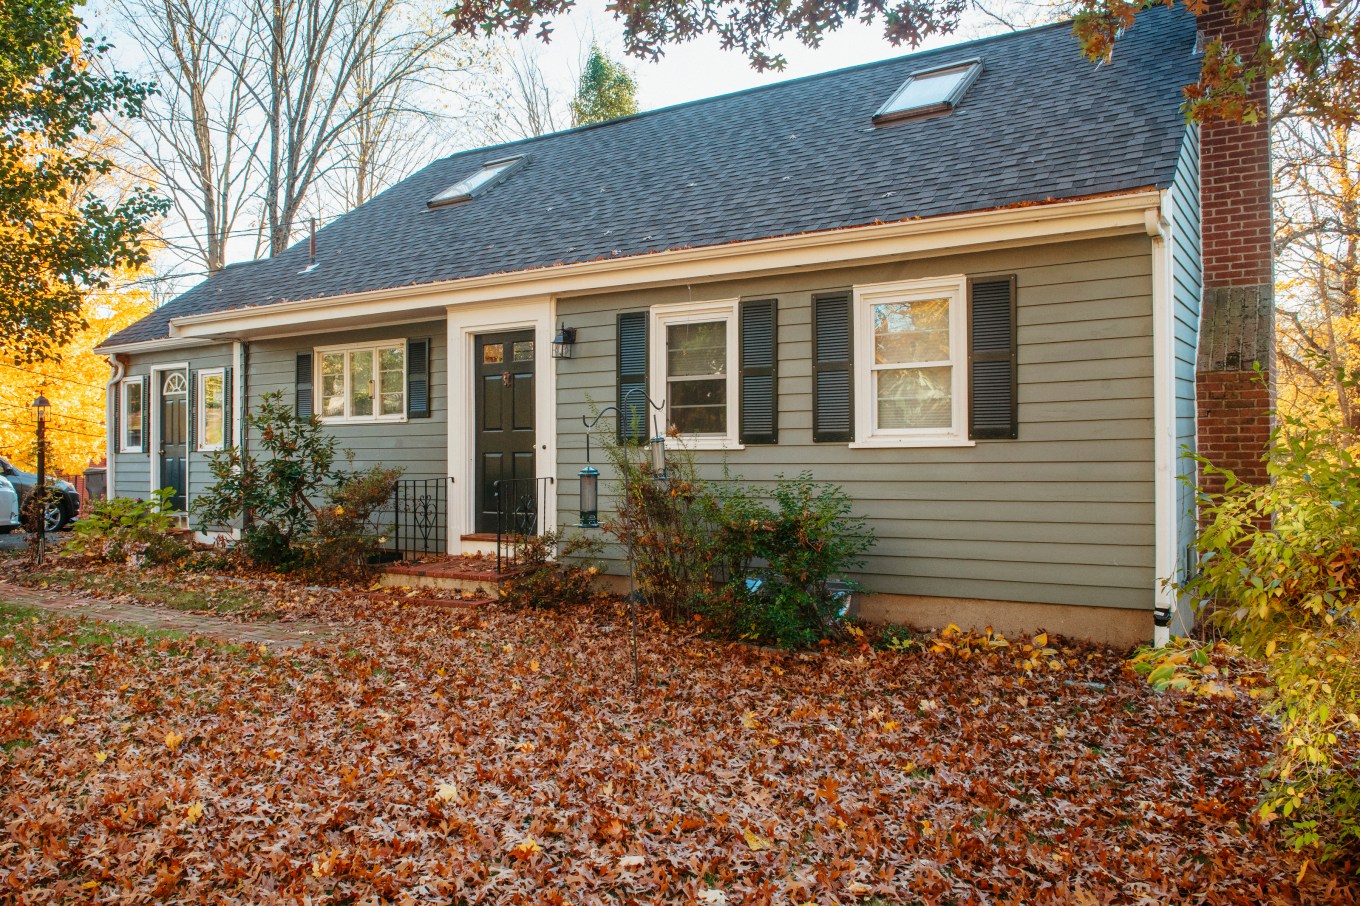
pixel 419 516
pixel 519 502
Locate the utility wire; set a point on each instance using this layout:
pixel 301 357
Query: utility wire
pixel 63 430
pixel 55 414
pixel 51 376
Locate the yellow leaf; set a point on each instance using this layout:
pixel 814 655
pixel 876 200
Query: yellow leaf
pixel 533 665
pixel 101 757
pixel 68 720
pixel 193 812
pixel 526 848
pixel 1270 650
pixel 756 842
pixel 748 720
pixel 447 792
pixel 89 885
pixel 1041 640
pixel 172 740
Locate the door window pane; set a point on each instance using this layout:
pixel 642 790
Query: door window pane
pixel 213 410
pixel 524 351
pixel 392 381
pixel 361 383
pixel 696 369
pixel 911 331
pixel 333 384
pixel 493 353
pixel 915 398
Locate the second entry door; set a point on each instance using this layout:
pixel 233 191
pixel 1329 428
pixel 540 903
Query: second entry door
pixel 504 442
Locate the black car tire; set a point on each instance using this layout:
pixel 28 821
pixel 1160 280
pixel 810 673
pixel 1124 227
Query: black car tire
pixel 6 529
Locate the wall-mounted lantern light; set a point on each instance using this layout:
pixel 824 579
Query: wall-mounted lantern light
pixel 590 497
pixel 563 342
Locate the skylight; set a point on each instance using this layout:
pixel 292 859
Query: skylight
pixel 930 91
pixel 471 186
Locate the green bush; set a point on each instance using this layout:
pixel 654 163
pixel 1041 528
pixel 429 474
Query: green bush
pixel 798 550
pixel 1279 572
pixel 762 568
pixel 277 494
pixel 125 530
pixel 553 571
pixel 348 532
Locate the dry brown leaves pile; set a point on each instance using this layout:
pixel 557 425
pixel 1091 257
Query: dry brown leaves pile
pixel 500 757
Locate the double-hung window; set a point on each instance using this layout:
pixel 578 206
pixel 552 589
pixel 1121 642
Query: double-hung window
pixel 911 363
pixel 694 369
pixel 362 383
pixel 132 412
pixel 212 411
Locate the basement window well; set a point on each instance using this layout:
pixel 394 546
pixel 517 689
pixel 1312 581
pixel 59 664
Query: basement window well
pixel 928 91
pixel 470 187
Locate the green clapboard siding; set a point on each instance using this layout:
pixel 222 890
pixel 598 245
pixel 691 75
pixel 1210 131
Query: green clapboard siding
pixel 132 471
pixel 1187 277
pixel 419 446
pixel 1062 515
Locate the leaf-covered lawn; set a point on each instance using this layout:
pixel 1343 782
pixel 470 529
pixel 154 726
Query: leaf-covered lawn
pixel 500 757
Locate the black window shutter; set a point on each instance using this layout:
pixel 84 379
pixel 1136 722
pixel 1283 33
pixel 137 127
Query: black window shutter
pixel 632 364
pixel 226 408
pixel 191 411
pixel 117 425
pixel 304 385
pixel 992 369
pixel 832 377
pixel 418 378
pixel 759 364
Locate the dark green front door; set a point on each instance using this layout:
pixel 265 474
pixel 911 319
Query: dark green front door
pixel 174 435
pixel 504 442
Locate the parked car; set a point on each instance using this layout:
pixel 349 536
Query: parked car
pixel 9 507
pixel 60 512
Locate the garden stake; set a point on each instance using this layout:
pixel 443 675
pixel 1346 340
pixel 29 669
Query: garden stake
pixel 590 423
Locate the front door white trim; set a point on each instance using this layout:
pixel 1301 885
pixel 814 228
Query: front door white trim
pixel 153 434
pixel 465 323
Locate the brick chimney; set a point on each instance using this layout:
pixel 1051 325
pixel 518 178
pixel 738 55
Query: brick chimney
pixel 1237 321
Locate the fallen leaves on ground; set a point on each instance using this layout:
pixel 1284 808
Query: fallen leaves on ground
pixel 501 757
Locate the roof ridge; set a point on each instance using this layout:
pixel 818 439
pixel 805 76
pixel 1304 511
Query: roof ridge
pixel 770 86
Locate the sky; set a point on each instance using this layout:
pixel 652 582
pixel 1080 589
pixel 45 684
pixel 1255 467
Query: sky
pixel 703 69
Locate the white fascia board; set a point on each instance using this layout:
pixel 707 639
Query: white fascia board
pixel 162 345
pixel 1055 222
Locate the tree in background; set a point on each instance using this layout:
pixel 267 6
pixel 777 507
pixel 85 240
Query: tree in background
pixel 60 239
pixel 75 386
pixel 606 91
pixel 1317 213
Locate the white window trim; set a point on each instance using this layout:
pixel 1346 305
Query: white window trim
pixel 689 313
pixel 123 445
pixel 201 410
pixel 867 433
pixel 319 398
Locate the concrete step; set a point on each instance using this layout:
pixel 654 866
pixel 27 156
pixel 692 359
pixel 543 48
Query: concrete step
pixel 460 573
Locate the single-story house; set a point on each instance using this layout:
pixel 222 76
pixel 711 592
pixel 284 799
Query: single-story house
pixel 994 290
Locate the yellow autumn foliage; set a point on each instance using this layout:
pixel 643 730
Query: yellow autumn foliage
pixel 75 387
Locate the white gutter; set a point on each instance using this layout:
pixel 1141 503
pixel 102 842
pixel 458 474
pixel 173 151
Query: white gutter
pixel 117 368
pixel 160 345
pixel 1054 222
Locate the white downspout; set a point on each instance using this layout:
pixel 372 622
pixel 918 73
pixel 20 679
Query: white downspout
pixel 117 368
pixel 1159 228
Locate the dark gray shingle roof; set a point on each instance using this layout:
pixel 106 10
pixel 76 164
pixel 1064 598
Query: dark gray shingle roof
pixel 1040 123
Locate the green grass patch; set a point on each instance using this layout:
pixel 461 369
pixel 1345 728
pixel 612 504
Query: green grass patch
pixel 156 590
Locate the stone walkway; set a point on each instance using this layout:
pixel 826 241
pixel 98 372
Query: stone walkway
pixel 274 635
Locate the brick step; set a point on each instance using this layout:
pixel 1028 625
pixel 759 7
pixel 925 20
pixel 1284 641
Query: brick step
pixel 474 574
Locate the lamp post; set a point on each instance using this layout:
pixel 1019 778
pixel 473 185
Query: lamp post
pixel 41 405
